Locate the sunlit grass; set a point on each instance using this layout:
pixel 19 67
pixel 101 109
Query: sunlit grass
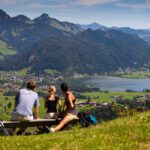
pixel 130 133
pixel 110 96
pixel 95 96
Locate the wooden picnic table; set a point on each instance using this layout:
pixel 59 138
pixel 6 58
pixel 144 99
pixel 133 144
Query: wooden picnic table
pixel 7 125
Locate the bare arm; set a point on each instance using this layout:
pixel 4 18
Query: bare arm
pixel 36 111
pixel 69 98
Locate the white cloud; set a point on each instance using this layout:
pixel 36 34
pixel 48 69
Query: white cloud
pixel 94 2
pixel 144 5
pixel 57 3
pixel 41 5
pixel 14 1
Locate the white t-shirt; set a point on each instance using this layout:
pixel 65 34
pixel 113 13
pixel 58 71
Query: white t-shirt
pixel 25 101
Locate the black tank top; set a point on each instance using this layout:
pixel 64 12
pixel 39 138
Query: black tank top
pixel 52 105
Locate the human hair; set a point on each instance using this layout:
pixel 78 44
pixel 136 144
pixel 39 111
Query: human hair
pixel 52 88
pixel 31 85
pixel 64 87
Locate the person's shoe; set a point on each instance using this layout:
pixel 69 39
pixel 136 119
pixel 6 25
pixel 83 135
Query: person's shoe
pixel 51 130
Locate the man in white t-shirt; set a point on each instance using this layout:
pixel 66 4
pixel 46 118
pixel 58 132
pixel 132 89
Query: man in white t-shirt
pixel 24 102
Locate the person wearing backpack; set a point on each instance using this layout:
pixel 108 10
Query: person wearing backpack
pixel 70 108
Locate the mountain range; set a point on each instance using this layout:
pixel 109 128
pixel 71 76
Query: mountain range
pixel 141 33
pixel 47 43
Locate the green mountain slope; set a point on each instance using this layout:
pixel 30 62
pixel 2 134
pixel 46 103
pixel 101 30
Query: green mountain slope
pixel 22 32
pixel 87 52
pixel 5 50
pixel 130 133
pixel 46 43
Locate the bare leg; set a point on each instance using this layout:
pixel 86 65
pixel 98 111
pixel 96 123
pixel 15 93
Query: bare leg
pixel 65 120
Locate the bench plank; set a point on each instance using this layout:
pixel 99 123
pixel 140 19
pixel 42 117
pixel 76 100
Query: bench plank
pixel 34 123
pixel 12 125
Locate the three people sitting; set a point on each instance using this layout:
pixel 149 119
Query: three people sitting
pixel 27 99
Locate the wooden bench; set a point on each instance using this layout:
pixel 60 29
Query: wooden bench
pixel 5 126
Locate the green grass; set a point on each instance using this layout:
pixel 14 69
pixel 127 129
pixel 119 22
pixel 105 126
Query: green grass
pixel 7 116
pixel 108 97
pixel 137 75
pixel 130 133
pixel 50 71
pixel 23 72
pixel 103 97
pixel 4 115
pixel 127 133
pixel 133 75
pixel 5 50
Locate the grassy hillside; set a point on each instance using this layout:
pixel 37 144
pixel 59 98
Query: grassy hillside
pixel 121 134
pixel 5 50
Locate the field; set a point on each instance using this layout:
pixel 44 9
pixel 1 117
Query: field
pixel 108 97
pixel 129 133
pixel 4 50
pixel 137 75
pixel 126 133
pixel 94 97
pixel 6 115
pixel 133 75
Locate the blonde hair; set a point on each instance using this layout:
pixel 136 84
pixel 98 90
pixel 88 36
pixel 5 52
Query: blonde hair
pixel 53 88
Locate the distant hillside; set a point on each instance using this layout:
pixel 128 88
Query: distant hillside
pixel 87 52
pixel 22 33
pixel 93 26
pixel 46 43
pixel 142 33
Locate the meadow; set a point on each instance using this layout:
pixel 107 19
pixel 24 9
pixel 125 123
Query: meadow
pixel 126 133
pixel 129 133
pixel 5 50
pixel 133 75
pixel 110 96
pixel 94 97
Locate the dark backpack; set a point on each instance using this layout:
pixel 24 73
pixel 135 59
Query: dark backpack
pixel 86 119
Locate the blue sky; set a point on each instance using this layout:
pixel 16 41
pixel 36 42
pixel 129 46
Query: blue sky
pixel 131 13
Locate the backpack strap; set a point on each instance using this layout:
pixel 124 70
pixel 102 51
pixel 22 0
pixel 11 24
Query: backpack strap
pixel 83 118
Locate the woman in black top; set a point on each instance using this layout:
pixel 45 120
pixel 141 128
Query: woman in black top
pixel 51 103
pixel 70 108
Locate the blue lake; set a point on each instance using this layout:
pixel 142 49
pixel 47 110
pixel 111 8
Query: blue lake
pixel 117 83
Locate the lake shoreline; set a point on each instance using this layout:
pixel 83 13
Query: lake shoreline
pixel 112 83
